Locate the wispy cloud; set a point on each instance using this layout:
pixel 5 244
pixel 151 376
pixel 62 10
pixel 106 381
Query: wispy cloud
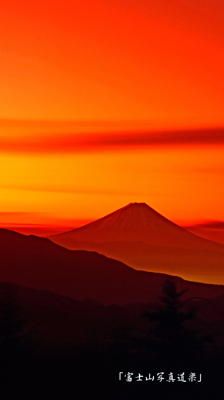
pixel 17 213
pixel 84 142
pixel 62 189
pixel 210 225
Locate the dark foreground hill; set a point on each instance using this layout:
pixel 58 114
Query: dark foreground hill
pixel 54 347
pixel 38 263
pixel 56 321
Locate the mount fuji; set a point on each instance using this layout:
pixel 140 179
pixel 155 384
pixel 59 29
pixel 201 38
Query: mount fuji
pixel 144 239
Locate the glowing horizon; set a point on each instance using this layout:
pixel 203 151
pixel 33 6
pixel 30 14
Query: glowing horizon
pixel 106 103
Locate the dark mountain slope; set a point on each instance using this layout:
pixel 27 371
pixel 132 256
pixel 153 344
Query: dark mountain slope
pixel 37 263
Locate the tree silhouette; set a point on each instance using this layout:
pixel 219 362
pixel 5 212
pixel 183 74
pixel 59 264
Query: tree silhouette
pixel 171 339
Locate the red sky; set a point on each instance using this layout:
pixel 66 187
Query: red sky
pixel 158 61
pixel 103 103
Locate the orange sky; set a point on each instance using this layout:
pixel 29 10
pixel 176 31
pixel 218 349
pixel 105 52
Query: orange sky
pixel 160 61
pixel 97 103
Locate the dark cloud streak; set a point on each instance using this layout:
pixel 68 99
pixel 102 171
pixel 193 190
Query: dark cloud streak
pixel 210 225
pixel 78 143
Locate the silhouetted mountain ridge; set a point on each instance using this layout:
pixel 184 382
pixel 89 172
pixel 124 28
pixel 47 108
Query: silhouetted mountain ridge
pixel 40 264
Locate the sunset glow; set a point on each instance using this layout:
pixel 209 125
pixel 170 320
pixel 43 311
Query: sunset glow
pixel 111 199
pixel 104 103
pixel 141 60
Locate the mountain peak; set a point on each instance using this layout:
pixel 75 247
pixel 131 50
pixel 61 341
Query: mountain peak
pixel 137 204
pixel 131 223
pixel 144 239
